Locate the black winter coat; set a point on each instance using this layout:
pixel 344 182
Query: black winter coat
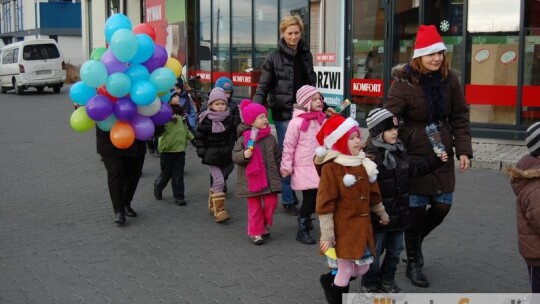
pixel 277 79
pixel 394 184
pixel 105 146
pixel 215 149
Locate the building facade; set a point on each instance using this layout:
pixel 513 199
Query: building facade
pixel 32 19
pixel 493 45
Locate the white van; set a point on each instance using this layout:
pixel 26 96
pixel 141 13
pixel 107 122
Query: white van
pixel 32 63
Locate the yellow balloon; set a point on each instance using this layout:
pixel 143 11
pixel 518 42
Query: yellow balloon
pixel 80 121
pixel 175 66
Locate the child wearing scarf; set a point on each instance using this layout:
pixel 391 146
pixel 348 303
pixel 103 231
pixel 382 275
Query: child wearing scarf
pixel 214 140
pixel 348 190
pixel 299 148
pixel 257 155
pixel 394 168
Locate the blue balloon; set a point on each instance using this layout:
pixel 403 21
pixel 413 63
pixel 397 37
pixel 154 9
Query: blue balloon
pixel 124 45
pixel 81 93
pixel 114 23
pixel 118 85
pixel 137 72
pixel 166 98
pixel 106 125
pixel 143 93
pixel 93 73
pixel 124 109
pixel 163 78
pixel 145 48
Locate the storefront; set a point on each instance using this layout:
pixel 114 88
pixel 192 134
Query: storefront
pixel 493 45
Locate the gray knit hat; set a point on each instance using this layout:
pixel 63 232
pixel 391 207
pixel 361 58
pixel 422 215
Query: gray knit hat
pixel 533 139
pixel 217 94
pixel 380 120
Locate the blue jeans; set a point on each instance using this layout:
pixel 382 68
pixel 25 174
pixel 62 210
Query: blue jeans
pixel 287 197
pixel 423 200
pixel 390 242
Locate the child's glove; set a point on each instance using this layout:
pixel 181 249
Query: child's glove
pixel 381 213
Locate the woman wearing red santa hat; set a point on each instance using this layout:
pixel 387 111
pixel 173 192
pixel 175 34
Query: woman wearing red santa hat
pixel 425 93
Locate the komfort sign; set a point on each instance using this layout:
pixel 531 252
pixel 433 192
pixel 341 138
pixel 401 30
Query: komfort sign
pixel 367 87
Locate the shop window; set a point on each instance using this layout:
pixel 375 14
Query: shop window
pixel 221 35
pixel 530 102
pixel 242 64
pixel 493 50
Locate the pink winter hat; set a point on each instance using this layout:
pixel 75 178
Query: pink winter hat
pixel 305 94
pixel 217 94
pixel 250 111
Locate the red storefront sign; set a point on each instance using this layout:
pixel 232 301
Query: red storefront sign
pixel 205 76
pixel 367 87
pixel 326 57
pixel 501 95
pixel 239 79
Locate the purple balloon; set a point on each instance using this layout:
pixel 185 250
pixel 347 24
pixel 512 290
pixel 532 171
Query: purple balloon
pixel 99 107
pixel 124 109
pixel 158 59
pixel 143 126
pixel 112 64
pixel 163 115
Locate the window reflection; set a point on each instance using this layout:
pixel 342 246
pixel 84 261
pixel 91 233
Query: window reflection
pixel 493 27
pixel 241 47
pixel 531 66
pixel 221 35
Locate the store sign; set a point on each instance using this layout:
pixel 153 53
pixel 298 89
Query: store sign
pixel 330 83
pixel 241 79
pixel 326 57
pixel 367 87
pixel 205 76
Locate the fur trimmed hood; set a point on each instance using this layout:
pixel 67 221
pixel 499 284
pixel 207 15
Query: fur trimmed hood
pixel 517 173
pixel 399 74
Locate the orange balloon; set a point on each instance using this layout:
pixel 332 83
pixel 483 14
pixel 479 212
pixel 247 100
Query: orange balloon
pixel 122 135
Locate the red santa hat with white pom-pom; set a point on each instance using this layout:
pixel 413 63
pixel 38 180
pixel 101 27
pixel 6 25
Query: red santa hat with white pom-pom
pixel 334 135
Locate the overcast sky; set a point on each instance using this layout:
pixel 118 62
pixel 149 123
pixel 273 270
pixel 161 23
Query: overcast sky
pixel 493 15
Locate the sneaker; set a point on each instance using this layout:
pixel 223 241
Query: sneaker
pixel 158 194
pixel 290 209
pixel 369 288
pixel 389 286
pixel 257 240
pixel 266 234
pixel 180 202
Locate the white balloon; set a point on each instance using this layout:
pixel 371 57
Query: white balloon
pixel 150 109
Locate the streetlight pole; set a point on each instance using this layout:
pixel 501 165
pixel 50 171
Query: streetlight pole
pixel 36 18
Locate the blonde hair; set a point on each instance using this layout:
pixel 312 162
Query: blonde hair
pixel 291 20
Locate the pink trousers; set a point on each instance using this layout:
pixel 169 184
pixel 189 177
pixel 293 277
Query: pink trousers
pixel 261 213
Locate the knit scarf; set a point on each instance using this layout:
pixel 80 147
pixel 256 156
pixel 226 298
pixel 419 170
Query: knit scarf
pixel 309 116
pixel 435 95
pixel 216 118
pixel 389 161
pixel 353 161
pixel 255 170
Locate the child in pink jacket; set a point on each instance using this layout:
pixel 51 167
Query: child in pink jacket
pixel 298 152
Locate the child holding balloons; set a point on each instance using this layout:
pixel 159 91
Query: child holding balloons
pixel 214 140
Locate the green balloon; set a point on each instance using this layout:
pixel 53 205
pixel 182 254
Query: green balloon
pixel 97 53
pixel 80 122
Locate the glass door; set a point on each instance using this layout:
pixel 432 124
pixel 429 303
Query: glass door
pixel 531 68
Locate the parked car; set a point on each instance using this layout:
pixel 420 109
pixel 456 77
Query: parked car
pixel 32 63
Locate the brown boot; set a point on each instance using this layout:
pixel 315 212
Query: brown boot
pixel 210 203
pixel 220 215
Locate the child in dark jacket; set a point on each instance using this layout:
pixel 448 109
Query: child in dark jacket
pixel 172 144
pixel 525 183
pixel 258 157
pixel 214 139
pixel 394 168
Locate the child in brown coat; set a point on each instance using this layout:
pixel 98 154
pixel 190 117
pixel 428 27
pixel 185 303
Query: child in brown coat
pixel 348 191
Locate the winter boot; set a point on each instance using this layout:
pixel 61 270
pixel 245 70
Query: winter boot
pixel 413 243
pixel 210 203
pixel 220 215
pixel 327 281
pixel 337 294
pixel 304 228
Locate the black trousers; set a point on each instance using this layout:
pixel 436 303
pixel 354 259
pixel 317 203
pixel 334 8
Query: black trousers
pixel 172 168
pixel 309 198
pixel 123 174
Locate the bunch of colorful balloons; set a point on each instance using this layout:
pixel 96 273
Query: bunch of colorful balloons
pixel 125 88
